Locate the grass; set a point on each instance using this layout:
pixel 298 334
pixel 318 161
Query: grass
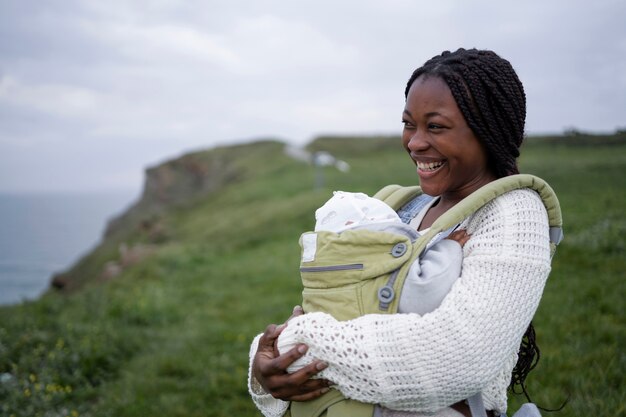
pixel 170 336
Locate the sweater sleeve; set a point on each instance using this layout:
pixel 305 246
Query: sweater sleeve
pixel 424 363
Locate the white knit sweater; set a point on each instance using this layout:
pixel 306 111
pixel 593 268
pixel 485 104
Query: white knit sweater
pixel 468 345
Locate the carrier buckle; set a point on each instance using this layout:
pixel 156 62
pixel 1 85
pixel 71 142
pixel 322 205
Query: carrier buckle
pixel 398 250
pixel 386 295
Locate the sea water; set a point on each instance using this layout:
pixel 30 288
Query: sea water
pixel 43 234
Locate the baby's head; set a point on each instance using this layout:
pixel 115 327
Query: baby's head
pixel 348 210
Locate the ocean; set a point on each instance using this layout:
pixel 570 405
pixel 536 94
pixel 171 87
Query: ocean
pixel 42 234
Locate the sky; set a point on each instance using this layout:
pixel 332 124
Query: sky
pixel 92 92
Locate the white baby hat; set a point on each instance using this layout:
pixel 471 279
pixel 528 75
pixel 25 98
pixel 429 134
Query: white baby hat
pixel 345 210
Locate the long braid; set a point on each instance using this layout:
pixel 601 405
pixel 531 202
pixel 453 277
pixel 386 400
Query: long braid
pixel 492 100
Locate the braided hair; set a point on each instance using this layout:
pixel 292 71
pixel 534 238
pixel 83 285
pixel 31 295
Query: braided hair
pixel 492 100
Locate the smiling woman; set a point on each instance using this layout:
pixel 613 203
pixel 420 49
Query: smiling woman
pixel 463 126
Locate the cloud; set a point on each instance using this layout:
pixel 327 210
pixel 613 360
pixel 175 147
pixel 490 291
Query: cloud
pixel 161 43
pixel 270 45
pixel 142 81
pixel 55 99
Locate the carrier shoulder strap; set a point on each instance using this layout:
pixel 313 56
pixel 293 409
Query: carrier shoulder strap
pixel 496 188
pixel 397 196
pixel 485 194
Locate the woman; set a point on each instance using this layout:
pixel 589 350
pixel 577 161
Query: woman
pixel 463 126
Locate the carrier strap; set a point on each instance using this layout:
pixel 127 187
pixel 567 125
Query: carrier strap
pixel 476 406
pixel 494 189
pixel 319 407
pixel 386 294
pixel 397 196
pixel 556 235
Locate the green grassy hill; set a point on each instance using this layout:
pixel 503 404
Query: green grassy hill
pixel 157 320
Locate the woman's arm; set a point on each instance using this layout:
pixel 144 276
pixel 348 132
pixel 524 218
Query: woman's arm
pixel 408 362
pixel 270 386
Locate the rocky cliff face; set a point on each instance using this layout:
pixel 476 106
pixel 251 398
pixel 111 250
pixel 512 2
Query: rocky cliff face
pixel 175 183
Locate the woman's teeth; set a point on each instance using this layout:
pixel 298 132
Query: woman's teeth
pixel 429 166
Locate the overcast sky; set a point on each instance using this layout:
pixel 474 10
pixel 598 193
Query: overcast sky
pixel 93 92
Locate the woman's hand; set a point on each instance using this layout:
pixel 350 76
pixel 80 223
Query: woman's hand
pixel 270 368
pixel 461 236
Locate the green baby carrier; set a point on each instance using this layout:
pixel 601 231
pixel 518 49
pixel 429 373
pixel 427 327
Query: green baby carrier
pixel 361 271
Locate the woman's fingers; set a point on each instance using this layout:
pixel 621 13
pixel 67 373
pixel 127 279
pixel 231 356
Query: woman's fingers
pixel 461 236
pixel 273 331
pixel 299 386
pixel 283 361
pixel 297 311
pixel 311 394
pixel 302 376
pixel 268 338
pixel 271 372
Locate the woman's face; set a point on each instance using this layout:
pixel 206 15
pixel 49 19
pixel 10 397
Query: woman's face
pixel 451 161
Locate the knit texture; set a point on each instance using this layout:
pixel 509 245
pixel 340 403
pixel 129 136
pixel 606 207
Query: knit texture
pixel 468 345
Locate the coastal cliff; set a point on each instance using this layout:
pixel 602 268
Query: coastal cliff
pixel 174 184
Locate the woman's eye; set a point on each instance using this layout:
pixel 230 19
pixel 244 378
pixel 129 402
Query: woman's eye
pixel 407 124
pixel 434 126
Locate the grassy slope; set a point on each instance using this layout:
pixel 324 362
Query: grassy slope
pixel 170 336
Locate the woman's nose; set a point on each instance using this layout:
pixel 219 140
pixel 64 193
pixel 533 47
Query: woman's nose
pixel 417 141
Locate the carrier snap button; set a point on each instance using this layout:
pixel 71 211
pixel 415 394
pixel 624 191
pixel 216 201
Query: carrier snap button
pixel 398 250
pixel 386 294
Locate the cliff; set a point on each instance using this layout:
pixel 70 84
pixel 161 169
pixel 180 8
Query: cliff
pixel 173 184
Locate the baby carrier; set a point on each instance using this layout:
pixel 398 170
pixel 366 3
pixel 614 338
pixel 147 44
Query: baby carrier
pixel 362 271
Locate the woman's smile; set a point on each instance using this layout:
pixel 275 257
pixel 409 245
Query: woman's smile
pixel 429 169
pixel 429 166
